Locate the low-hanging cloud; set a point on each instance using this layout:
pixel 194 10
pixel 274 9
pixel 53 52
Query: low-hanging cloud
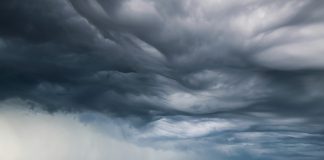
pixel 32 134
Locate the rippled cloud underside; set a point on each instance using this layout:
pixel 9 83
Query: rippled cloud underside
pixel 161 80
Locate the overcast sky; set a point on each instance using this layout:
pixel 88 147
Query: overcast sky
pixel 161 79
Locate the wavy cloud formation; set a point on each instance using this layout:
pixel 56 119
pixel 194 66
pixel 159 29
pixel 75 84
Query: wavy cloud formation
pixel 236 79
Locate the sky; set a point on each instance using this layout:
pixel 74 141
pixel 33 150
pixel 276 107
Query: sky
pixel 161 80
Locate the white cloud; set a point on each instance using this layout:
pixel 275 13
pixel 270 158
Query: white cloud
pixel 221 91
pixel 36 135
pixel 185 127
pixel 300 55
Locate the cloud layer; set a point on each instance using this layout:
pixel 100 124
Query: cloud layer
pixel 240 79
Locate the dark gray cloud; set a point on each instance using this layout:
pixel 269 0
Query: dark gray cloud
pixel 243 78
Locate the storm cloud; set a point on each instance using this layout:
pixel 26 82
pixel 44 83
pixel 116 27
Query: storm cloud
pixel 231 79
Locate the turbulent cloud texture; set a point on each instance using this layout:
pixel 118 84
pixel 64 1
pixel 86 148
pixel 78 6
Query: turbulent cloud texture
pixel 168 79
